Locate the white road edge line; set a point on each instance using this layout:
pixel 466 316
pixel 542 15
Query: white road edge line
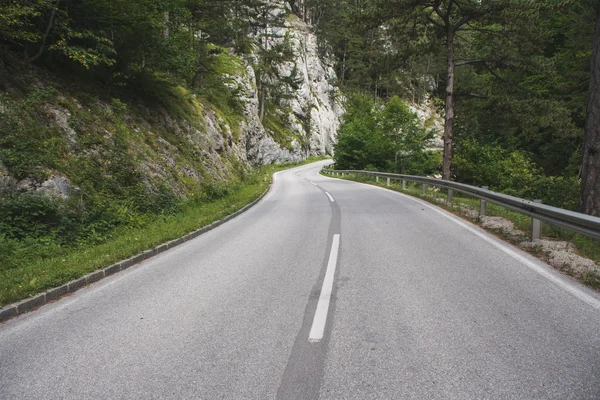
pixel 330 197
pixel 318 326
pixel 313 183
pixel 558 281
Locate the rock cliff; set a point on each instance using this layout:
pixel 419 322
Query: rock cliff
pixel 313 104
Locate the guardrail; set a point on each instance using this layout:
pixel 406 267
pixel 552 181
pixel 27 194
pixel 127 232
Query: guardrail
pixel 578 222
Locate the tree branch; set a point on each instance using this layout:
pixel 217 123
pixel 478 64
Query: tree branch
pixel 502 79
pixel 438 11
pixel 477 61
pixel 434 22
pixel 46 33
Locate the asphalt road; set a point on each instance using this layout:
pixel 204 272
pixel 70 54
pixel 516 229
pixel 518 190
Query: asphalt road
pixel 326 289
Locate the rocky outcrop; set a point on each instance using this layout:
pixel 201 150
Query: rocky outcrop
pixel 316 104
pixel 55 186
pixel 313 104
pixel 431 120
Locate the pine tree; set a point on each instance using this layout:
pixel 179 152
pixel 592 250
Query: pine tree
pixel 590 173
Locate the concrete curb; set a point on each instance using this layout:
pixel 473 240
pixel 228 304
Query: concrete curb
pixel 12 310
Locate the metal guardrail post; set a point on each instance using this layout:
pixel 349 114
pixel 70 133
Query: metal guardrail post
pixel 388 182
pixel 424 189
pixel 536 227
pixel 450 195
pixel 377 179
pixel 483 205
pixel 403 184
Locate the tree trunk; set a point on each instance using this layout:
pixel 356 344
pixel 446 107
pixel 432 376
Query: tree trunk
pixel 590 171
pixel 344 64
pixel 261 92
pixel 46 33
pixel 166 31
pixel 449 117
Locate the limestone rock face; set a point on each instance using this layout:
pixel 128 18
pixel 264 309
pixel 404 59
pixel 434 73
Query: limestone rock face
pixel 313 106
pixel 430 119
pixel 259 145
pixel 56 185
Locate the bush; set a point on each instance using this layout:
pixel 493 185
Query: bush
pixel 28 215
pixel 513 173
pixel 386 138
pixel 26 142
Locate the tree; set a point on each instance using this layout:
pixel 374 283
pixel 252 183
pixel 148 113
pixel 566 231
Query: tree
pixel 449 17
pixel 18 20
pixel 528 94
pixel 590 172
pixel 386 138
pixel 40 26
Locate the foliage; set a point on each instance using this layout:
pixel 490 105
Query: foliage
pixel 126 42
pixel 514 173
pixel 386 138
pixel 26 144
pixel 522 69
pixel 531 93
pixel 17 19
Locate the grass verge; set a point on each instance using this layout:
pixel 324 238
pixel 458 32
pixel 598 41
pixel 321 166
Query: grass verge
pixel 584 246
pixel 45 273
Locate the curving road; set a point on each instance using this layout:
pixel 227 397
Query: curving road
pixel 326 289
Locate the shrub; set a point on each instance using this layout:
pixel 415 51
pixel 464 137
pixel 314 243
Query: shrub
pixel 513 173
pixel 28 215
pixel 386 138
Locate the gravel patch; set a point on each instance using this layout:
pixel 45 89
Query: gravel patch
pixel 468 212
pixel 504 225
pixel 561 255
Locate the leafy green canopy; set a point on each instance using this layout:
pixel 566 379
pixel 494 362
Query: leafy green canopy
pixel 124 41
pixel 521 72
pixel 385 138
pixel 512 172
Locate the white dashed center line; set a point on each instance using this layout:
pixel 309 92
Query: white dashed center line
pixel 318 326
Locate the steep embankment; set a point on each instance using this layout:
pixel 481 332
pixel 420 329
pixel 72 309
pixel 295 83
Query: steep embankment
pixel 56 130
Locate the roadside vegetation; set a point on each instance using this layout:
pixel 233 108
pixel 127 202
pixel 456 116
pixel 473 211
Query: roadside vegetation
pixel 36 261
pixel 511 79
pixel 120 128
pixel 512 82
pixel 383 136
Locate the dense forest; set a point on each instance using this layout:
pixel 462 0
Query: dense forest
pixel 511 78
pixel 142 45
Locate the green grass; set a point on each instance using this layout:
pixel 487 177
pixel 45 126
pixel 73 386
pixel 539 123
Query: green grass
pixel 584 246
pixel 279 133
pixel 225 63
pixel 60 267
pixel 216 94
